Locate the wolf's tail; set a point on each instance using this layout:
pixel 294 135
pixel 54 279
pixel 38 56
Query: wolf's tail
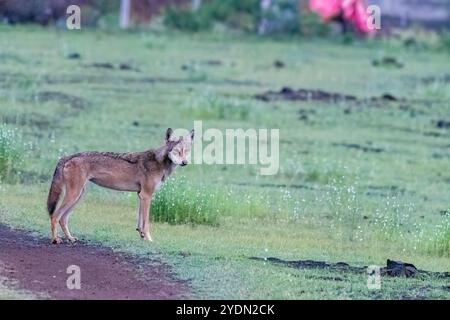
pixel 55 189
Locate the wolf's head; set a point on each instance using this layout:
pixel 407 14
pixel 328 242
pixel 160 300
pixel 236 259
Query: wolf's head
pixel 179 148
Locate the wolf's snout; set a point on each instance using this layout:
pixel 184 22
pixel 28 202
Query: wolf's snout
pixel 183 163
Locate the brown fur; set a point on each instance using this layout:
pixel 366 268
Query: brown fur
pixel 140 172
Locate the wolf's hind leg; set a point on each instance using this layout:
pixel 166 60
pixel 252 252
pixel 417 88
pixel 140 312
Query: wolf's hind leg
pixel 74 187
pixel 54 228
pixel 64 221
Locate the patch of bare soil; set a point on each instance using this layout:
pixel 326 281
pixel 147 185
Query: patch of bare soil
pixel 276 185
pixel 385 191
pixel 211 63
pixel 445 78
pixel 289 94
pixel 107 65
pixel 63 98
pixel 40 267
pixel 88 79
pixel 363 148
pixel 393 268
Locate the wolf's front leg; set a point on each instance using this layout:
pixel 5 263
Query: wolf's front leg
pixel 144 212
pixel 140 221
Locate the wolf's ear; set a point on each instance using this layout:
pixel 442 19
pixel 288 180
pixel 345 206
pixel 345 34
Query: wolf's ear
pixel 189 137
pixel 168 134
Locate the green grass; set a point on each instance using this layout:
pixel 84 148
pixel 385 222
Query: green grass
pixel 212 107
pixel 328 202
pixel 10 156
pixel 440 244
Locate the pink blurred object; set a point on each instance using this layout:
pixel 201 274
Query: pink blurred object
pixel 353 11
pixel 326 9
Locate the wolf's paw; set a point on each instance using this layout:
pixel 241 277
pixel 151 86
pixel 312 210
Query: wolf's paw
pixel 141 233
pixel 72 239
pixel 147 237
pixel 57 240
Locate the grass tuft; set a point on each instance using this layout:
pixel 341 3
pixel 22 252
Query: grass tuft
pixel 439 244
pixel 178 202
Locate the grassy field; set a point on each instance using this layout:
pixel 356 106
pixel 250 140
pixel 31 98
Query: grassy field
pixel 358 182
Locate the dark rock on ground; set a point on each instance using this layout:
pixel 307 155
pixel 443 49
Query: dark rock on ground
pixel 399 269
pixel 103 65
pixel 279 64
pixel 287 93
pixel 126 66
pixel 443 124
pixel 387 62
pixel 74 55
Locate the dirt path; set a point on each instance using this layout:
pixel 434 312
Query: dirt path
pixel 40 267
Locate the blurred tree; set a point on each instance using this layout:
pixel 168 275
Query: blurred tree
pixel 125 6
pixel 195 5
pixel 279 16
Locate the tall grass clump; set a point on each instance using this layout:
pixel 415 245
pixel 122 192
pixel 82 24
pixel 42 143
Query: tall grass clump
pixel 439 243
pixel 179 202
pixel 10 156
pixel 358 217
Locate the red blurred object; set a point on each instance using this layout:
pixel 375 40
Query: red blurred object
pixel 353 11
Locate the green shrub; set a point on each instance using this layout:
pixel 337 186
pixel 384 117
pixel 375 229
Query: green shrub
pixel 312 26
pixel 243 14
pixel 186 20
pixel 10 157
pixel 239 14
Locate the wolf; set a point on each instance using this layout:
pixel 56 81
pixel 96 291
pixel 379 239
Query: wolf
pixel 140 172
